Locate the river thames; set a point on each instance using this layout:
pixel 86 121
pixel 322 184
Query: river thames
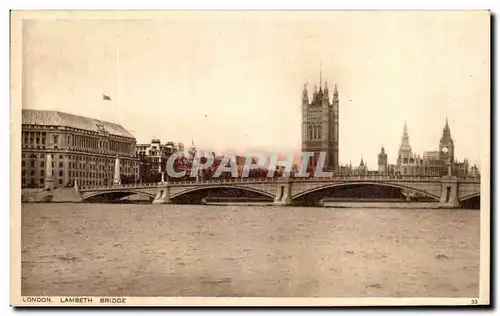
pixel 224 250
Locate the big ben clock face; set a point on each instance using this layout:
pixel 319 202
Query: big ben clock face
pixel 444 150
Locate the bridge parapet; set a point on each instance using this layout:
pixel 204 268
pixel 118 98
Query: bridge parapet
pixel 275 180
pixel 286 190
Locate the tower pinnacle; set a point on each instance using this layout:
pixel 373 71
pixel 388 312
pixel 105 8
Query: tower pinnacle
pixel 446 131
pixel 320 75
pixel 405 139
pixel 304 92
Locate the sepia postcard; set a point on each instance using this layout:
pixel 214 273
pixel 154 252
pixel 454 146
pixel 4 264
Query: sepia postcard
pixel 250 158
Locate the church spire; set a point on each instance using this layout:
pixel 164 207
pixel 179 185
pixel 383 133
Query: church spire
pixel 405 139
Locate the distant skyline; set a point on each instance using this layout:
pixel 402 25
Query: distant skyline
pixel 232 81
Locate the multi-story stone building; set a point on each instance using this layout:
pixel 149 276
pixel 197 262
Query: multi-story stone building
pixel 320 126
pixel 153 157
pixel 73 149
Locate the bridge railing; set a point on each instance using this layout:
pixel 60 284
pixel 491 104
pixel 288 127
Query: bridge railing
pixel 273 180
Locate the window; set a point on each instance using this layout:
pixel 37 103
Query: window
pixel 42 181
pixel 42 173
pixel 23 163
pixel 32 163
pixel 32 172
pixel 60 181
pixel 60 173
pixel 56 139
pixel 60 164
pixel 60 157
pixel 23 173
pixel 42 164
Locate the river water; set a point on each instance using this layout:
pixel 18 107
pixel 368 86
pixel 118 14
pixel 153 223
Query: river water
pixel 224 250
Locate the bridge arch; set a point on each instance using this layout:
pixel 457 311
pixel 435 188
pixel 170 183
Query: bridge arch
pixel 117 193
pixel 470 196
pixel 223 186
pixel 374 183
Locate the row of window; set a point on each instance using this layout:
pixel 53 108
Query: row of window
pixel 34 183
pixel 42 164
pixel 41 156
pixel 420 161
pixel 72 173
pixel 73 165
pixel 314 132
pixel 38 138
pixel 79 157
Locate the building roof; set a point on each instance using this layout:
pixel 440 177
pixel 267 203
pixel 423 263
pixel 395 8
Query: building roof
pixel 56 118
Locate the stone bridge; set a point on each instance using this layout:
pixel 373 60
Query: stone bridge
pixel 449 191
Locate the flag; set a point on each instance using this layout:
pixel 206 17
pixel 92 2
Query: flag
pixel 106 97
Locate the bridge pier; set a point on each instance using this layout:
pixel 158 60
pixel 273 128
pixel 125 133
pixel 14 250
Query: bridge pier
pixel 449 193
pixel 162 195
pixel 283 193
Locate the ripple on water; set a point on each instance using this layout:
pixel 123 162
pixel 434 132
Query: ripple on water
pixel 174 250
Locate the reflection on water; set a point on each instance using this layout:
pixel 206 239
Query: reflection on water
pixel 223 250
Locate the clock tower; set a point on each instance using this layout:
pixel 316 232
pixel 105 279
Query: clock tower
pixel 446 146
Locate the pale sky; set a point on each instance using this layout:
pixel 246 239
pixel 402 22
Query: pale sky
pixel 232 81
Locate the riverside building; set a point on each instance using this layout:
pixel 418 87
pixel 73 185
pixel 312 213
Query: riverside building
pixel 60 149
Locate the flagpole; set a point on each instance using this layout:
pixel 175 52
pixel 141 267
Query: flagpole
pixel 117 50
pixel 58 80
